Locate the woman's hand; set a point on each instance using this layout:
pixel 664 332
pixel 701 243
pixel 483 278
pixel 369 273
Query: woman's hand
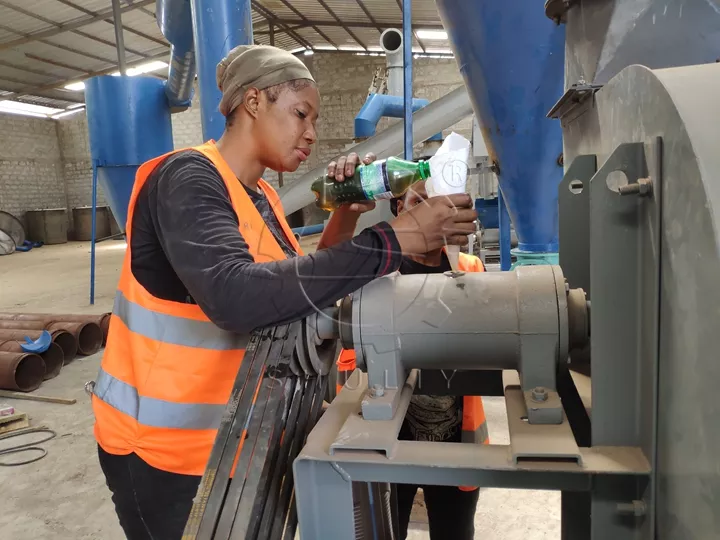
pixel 344 168
pixel 434 223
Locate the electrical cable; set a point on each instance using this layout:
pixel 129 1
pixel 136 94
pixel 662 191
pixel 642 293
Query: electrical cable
pixel 27 447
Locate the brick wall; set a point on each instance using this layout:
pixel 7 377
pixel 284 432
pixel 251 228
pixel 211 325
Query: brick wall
pixel 72 135
pixel 46 163
pixel 30 166
pixel 187 126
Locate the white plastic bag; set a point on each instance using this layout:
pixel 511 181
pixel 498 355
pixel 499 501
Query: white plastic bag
pixel 448 175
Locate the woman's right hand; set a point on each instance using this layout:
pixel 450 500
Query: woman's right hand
pixel 434 223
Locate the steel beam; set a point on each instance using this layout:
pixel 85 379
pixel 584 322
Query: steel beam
pixel 367 13
pixel 111 20
pixel 58 95
pixel 119 38
pixel 58 83
pixel 65 47
pixel 305 23
pixel 344 26
pixel 322 34
pixel 67 27
pixel 55 63
pixel 103 41
pixel 269 17
pixel 84 34
pixel 26 69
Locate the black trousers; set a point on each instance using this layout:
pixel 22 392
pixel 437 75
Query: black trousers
pixel 151 504
pixel 451 511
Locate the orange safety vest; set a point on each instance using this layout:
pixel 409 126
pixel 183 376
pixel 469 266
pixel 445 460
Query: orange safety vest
pixel 474 424
pixel 168 371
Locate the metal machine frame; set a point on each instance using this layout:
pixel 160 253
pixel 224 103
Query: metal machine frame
pixel 604 469
pixel 325 473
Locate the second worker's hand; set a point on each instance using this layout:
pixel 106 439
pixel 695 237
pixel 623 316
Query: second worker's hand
pixel 344 168
pixel 436 222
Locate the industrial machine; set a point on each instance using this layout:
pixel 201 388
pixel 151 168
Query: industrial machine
pixel 601 124
pixel 633 301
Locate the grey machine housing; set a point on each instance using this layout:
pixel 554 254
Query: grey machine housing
pixel 519 320
pixel 639 208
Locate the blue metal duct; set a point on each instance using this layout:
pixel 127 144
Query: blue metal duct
pixel 128 123
pixel 382 105
pixel 174 18
pixel 219 26
pixel 308 230
pixel 512 60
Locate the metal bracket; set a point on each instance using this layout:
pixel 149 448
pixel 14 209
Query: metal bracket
pixel 625 223
pixel 359 433
pixel 541 351
pixel 628 158
pixel 574 226
pixel 531 442
pixel 573 97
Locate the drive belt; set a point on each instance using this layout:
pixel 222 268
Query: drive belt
pixel 247 490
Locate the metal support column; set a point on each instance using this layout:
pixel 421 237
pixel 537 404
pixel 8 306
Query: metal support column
pixel 119 39
pixel 407 77
pixel 93 233
pixel 335 499
pixel 505 236
pixel 218 27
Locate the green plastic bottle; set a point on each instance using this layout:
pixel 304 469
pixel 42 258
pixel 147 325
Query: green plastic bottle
pixel 383 179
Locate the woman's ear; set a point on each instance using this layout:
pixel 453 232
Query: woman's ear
pixel 251 100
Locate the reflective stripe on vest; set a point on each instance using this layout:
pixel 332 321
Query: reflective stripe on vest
pixel 175 330
pixel 155 412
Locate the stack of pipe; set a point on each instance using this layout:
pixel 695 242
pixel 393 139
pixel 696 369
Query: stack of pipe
pixel 71 335
pixel 21 371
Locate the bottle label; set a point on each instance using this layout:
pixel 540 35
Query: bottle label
pixel 373 179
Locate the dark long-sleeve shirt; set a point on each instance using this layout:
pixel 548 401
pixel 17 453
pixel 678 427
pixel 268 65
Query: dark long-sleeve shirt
pixel 186 246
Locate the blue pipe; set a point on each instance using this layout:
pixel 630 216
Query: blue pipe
pixel 175 21
pixel 378 106
pixel 219 26
pixel 407 77
pixel 93 232
pixel 307 230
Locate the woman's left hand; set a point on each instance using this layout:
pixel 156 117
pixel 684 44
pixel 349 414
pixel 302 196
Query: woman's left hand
pixel 345 167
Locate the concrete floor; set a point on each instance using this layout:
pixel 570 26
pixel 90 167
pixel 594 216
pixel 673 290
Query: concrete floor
pixel 63 496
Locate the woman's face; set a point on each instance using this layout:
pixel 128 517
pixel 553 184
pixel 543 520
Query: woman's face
pixel 285 127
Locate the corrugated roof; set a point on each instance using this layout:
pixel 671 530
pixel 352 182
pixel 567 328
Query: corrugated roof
pixel 39 57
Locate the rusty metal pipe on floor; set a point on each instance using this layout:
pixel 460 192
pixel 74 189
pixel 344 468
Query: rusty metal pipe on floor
pixel 66 341
pixel 102 320
pixel 54 357
pixel 89 335
pixel 21 371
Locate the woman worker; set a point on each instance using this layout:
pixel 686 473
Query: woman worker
pixel 210 258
